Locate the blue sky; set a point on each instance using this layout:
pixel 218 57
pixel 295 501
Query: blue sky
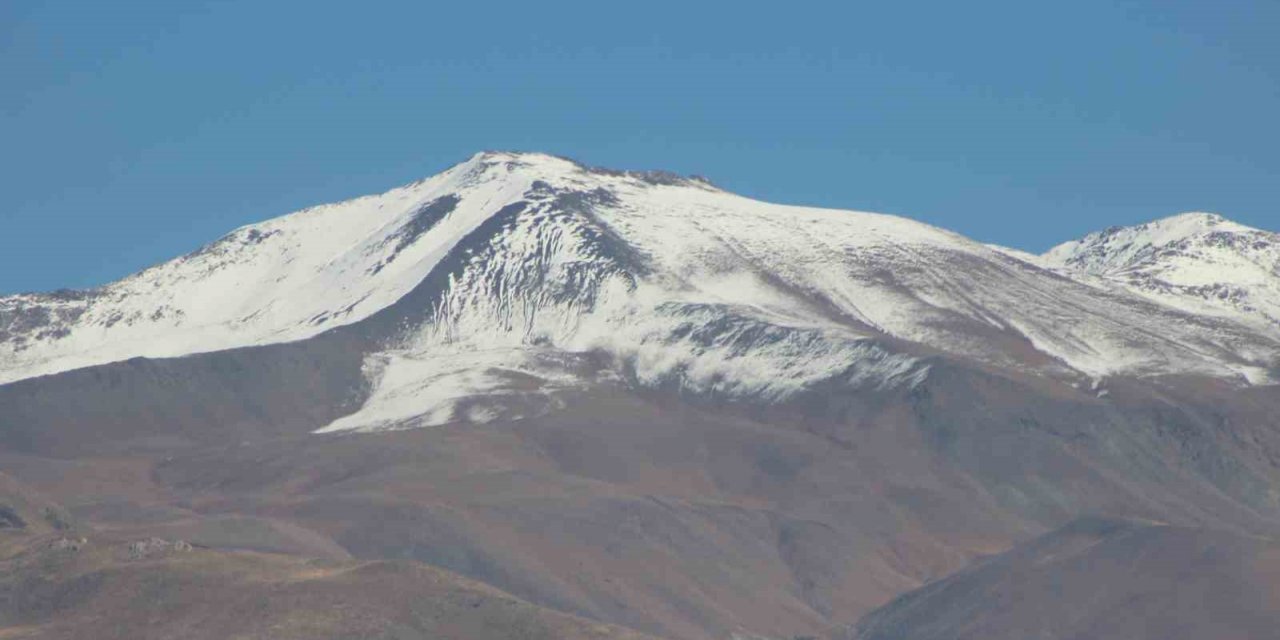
pixel 134 132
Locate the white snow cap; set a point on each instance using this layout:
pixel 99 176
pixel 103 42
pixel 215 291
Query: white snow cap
pixel 1198 262
pixel 541 260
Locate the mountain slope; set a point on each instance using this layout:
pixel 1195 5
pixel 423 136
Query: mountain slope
pixel 1100 578
pixel 91 586
pixel 675 516
pixel 284 279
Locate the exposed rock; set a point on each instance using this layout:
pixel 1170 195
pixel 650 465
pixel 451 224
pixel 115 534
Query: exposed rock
pixel 9 518
pixel 68 544
pixel 150 547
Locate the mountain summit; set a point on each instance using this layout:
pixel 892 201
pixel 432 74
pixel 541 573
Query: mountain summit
pixel 534 273
pixel 1200 262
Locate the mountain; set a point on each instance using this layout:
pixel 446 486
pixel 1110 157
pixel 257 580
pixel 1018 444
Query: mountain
pixel 1200 262
pixel 1100 578
pixel 58 580
pixel 521 263
pixel 638 399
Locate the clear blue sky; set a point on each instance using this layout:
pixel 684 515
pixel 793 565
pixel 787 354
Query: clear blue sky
pixel 134 132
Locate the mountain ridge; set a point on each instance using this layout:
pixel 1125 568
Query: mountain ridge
pixel 1201 262
pixel 666 278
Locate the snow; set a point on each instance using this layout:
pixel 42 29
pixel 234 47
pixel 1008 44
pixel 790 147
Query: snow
pixel 476 385
pixel 610 278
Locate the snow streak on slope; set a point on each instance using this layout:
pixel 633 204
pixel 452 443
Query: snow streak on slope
pixel 1200 262
pixel 883 275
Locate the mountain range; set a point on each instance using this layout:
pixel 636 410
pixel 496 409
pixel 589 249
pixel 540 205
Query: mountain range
pixel 635 403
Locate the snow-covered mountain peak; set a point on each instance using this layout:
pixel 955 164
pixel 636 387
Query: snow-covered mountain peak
pixel 511 275
pixel 290 277
pixel 1120 247
pixel 1197 261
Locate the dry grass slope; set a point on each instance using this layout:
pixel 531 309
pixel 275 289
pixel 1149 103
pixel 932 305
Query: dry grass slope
pixel 78 584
